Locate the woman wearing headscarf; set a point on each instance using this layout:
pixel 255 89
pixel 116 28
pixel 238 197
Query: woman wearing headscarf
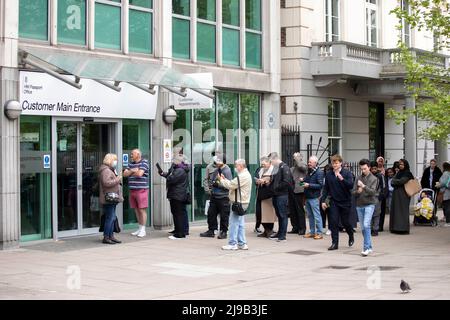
pixel 399 213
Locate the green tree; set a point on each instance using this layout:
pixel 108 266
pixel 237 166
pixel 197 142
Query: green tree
pixel 426 77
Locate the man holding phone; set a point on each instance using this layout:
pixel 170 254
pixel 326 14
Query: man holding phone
pixel 137 174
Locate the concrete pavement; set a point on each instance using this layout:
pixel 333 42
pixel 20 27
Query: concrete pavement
pixel 196 268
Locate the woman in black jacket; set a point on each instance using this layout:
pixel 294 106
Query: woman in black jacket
pixel 177 181
pixel 399 213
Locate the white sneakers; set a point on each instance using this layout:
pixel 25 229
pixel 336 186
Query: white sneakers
pixel 447 225
pixel 230 247
pixel 366 252
pixel 175 238
pixel 235 247
pixel 328 232
pixel 140 232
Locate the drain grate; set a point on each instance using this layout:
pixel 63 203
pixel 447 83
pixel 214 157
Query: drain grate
pixel 381 268
pixel 304 252
pixel 337 267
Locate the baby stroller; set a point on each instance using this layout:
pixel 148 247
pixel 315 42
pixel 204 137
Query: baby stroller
pixel 426 219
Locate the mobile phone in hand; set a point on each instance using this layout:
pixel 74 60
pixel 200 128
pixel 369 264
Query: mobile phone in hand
pixel 159 167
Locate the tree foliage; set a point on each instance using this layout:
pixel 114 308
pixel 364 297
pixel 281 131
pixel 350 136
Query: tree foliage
pixel 427 79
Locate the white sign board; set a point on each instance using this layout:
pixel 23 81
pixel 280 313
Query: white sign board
pixel 42 94
pixel 195 100
pixel 125 160
pixel 167 150
pixel 46 161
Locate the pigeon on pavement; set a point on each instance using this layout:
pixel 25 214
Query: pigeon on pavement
pixel 405 287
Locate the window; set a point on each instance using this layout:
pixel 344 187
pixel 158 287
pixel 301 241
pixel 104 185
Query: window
pixel 332 20
pixel 206 31
pixel 334 126
pixel 376 130
pixel 231 32
pixel 253 34
pixel 218 129
pixel 72 22
pixel 406 28
pixel 108 25
pixel 181 29
pixel 372 23
pixel 33 19
pixel 140 26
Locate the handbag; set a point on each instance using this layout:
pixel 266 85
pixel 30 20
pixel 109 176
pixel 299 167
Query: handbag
pixel 112 198
pixel 102 225
pixel 412 187
pixel 237 206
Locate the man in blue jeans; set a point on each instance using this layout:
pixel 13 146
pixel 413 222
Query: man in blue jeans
pixel 282 182
pixel 365 190
pixel 313 184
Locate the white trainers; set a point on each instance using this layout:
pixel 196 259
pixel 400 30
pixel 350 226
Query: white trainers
pixel 447 225
pixel 230 247
pixel 243 247
pixel 175 238
pixel 328 232
pixel 366 252
pixel 136 232
pixel 141 233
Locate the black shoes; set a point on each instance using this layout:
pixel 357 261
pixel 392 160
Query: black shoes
pixel 222 235
pixel 374 233
pixel 351 240
pixel 207 234
pixel 293 231
pixel 115 240
pixel 107 240
pixel 334 246
pixel 301 232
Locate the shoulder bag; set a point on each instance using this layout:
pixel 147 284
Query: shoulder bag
pixel 112 198
pixel 412 187
pixel 237 206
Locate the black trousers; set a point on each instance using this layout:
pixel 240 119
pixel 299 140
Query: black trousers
pixel 258 214
pixel 219 207
pixel 337 212
pixel 178 212
pixel 297 212
pixel 446 207
pixel 382 214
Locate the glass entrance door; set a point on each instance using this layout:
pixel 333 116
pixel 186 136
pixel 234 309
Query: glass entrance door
pixel 80 149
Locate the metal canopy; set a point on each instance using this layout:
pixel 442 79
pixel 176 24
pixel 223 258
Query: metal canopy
pixel 84 65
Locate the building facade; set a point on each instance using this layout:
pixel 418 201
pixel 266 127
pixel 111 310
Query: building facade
pixel 96 76
pixel 340 76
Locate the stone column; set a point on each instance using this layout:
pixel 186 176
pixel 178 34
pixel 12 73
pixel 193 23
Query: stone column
pixel 270 136
pixel 442 152
pixel 411 136
pixel 9 129
pixel 161 209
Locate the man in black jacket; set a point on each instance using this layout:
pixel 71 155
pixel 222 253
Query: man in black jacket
pixel 281 185
pixel 338 186
pixel 431 176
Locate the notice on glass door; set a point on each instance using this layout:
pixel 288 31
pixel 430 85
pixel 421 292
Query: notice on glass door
pixel 167 151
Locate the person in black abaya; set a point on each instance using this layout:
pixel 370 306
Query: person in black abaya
pixel 399 214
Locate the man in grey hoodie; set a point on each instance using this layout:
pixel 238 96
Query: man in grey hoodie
pixel 365 190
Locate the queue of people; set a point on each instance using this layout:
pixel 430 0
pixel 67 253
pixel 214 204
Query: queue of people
pixel 332 195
